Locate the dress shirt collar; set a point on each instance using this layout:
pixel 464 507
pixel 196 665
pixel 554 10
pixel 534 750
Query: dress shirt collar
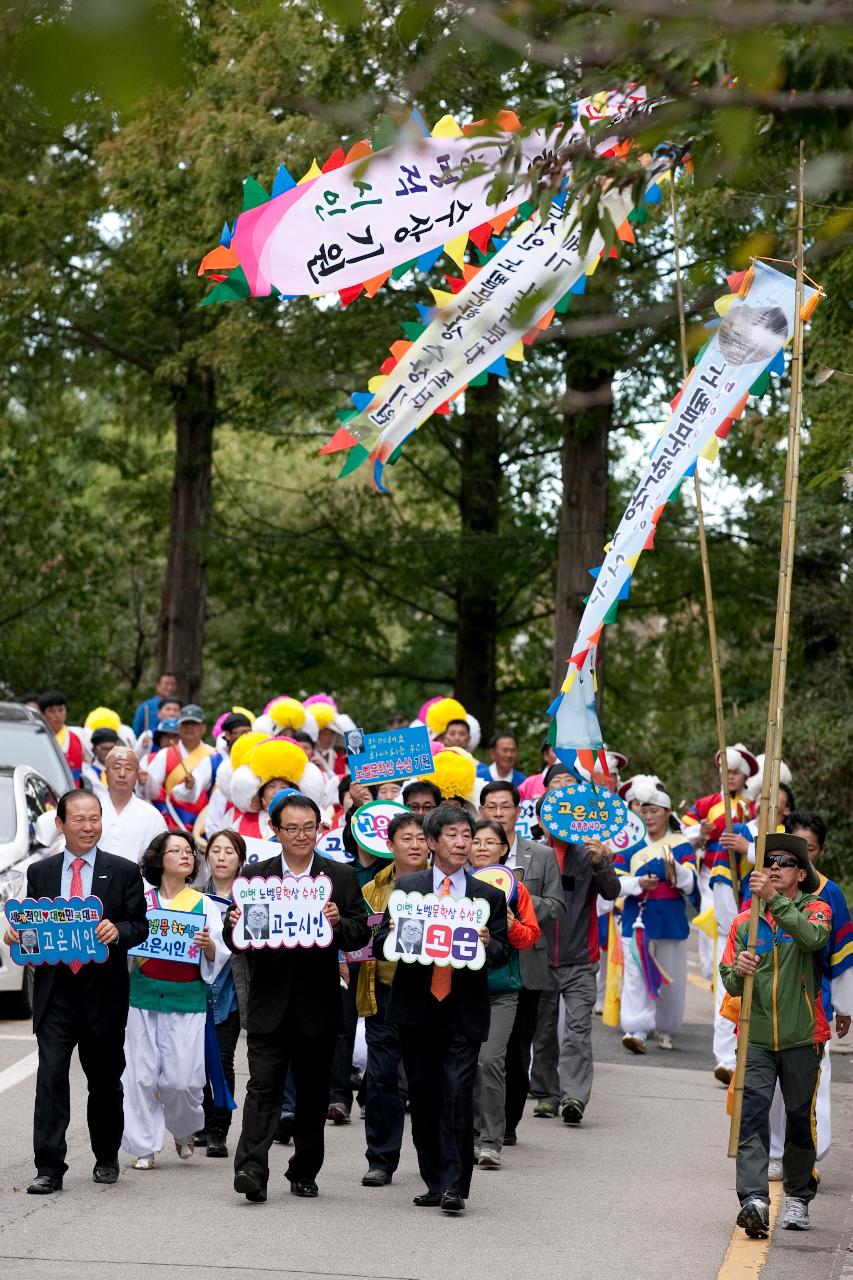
pixel 69 857
pixel 458 885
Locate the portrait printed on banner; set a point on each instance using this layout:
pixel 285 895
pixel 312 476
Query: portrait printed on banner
pixel 748 335
pixel 409 937
pixel 257 925
pixel 29 943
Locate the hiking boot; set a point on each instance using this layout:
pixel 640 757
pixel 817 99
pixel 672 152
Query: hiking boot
pixel 754 1217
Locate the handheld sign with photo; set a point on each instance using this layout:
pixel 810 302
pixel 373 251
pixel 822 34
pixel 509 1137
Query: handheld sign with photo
pixel 370 825
pixel 391 756
pixel 433 930
pixel 331 845
pixel 282 912
pixel 583 812
pixel 500 877
pixel 171 936
pixel 56 930
pixel 632 837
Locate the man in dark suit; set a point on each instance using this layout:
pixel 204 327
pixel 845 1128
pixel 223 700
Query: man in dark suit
pixel 83 1004
pixel 536 866
pixel 442 1015
pixel 294 1009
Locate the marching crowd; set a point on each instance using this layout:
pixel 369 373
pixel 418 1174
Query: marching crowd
pixel 167 815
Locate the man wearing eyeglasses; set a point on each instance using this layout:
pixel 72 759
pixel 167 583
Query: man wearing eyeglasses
pixel 786 1010
pixel 536 866
pixel 294 1009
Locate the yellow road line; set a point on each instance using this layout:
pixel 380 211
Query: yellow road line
pixel 745 1258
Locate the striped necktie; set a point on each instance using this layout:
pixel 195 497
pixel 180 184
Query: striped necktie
pixel 442 978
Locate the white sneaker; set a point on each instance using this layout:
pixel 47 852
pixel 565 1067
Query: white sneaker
pixel 634 1044
pixel 774 1170
pixel 489 1159
pixel 143 1162
pixel 662 1039
pixel 185 1147
pixel 598 1007
pixel 796 1215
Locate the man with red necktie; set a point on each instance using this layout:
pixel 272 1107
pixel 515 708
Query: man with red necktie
pixel 83 1004
pixel 442 1015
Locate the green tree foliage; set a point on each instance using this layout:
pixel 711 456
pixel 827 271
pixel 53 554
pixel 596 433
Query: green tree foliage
pixel 126 149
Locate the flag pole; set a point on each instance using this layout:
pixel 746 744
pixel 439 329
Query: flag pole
pixel 710 612
pixel 776 710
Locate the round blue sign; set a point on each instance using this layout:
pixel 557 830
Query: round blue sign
pixel 583 812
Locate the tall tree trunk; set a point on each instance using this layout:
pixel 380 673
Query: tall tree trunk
pixel 477 580
pixel 180 630
pixel 582 530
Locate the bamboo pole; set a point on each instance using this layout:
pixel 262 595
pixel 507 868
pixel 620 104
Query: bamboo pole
pixel 776 712
pixel 710 612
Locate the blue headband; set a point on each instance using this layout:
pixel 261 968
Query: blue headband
pixel 278 799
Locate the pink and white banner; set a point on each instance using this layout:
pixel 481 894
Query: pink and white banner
pixel 372 212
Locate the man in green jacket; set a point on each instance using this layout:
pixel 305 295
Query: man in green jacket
pixel 786 1013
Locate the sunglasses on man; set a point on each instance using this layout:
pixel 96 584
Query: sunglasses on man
pixel 784 860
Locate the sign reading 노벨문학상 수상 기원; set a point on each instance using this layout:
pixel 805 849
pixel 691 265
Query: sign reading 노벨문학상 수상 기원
pixel 439 931
pixel 56 930
pixel 370 825
pixel 171 936
pixel 584 812
pixel 282 912
pixel 391 756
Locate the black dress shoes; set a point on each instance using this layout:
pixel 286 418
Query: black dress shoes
pixel 106 1173
pixel 308 1190
pixel 250 1186
pixel 452 1202
pixel 216 1148
pixel 376 1178
pixel 429 1200
pixel 44 1185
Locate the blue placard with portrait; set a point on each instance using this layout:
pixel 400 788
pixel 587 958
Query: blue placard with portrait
pixel 391 756
pixel 56 930
pixel 583 812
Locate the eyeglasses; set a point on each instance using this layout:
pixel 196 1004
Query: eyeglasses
pixel 487 844
pixel 498 808
pixel 307 829
pixel 785 860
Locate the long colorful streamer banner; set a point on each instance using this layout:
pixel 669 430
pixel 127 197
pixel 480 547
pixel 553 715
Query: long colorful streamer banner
pixel 743 349
pixel 478 330
pixel 346 226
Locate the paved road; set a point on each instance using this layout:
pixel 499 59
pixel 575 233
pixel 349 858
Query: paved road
pixel 643 1191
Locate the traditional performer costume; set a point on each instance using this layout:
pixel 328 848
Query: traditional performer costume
pixel 165 1074
pixel 655 928
pixel 180 782
pixel 717 888
pixel 71 746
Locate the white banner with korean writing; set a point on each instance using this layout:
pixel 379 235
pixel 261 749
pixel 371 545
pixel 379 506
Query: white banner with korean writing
pixel 753 332
pixel 365 217
pixel 481 325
